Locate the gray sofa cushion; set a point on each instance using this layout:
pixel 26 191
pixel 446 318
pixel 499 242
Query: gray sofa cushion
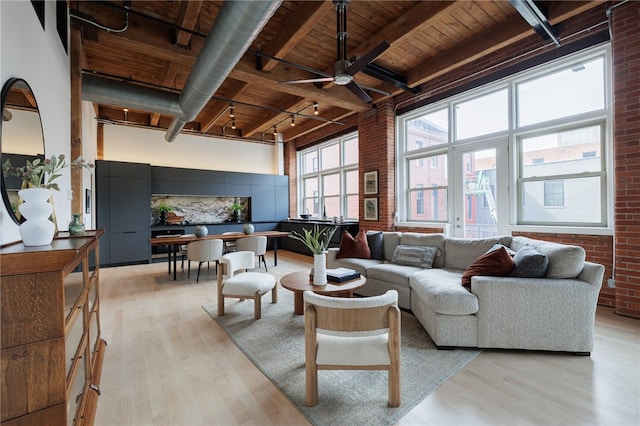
pixel 434 240
pixel 389 242
pixel 565 261
pixel 530 263
pixel 462 252
pixel 389 272
pixel 440 289
pixel 374 239
pixel 420 256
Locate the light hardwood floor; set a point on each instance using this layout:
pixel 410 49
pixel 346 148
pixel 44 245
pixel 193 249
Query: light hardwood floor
pixel 168 363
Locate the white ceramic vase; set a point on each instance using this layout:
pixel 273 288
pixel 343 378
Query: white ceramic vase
pixel 319 269
pixel 38 230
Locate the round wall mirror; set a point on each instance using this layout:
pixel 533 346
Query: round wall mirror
pixel 21 137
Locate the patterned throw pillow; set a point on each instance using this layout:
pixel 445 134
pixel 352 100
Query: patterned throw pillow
pixel 530 263
pixel 354 247
pixel 374 239
pixel 419 256
pixel 497 263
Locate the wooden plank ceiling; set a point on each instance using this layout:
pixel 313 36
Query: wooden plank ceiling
pixel 162 40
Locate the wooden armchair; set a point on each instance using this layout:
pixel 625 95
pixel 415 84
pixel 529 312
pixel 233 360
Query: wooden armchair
pixel 352 334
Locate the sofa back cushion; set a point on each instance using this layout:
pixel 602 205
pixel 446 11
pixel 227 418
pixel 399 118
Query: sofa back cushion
pixel 433 240
pixel 462 252
pixel 565 261
pixel 389 242
pixel 351 246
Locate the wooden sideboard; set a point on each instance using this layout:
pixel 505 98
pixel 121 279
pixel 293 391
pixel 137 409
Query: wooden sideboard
pixel 51 348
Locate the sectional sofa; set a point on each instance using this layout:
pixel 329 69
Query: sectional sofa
pixel 552 312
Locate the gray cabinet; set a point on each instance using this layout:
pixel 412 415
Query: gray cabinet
pixel 124 211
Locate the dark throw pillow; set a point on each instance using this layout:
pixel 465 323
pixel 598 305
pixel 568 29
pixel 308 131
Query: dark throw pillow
pixel 530 263
pixel 496 263
pixel 498 245
pixel 354 247
pixel 374 239
pixel 420 256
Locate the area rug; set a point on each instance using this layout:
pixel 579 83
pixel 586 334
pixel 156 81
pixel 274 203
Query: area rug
pixel 275 344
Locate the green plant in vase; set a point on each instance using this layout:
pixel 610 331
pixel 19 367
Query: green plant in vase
pixel 316 240
pixel 236 208
pixel 162 210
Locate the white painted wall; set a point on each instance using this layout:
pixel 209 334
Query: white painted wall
pixel 36 55
pixel 138 145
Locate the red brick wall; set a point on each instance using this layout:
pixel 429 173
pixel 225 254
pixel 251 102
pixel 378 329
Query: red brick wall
pixel 376 136
pixel 626 127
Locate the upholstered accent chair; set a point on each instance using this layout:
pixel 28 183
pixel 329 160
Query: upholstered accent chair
pixel 230 246
pixel 352 334
pixel 203 251
pixel 235 282
pixel 256 244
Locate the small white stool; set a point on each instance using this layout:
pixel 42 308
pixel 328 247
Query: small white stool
pixel 245 285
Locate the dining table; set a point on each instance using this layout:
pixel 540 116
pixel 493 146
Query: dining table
pixel 175 241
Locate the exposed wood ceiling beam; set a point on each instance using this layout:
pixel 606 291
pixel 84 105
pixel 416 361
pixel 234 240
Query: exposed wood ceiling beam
pixel 187 18
pixel 209 116
pixel 299 24
pixel 294 104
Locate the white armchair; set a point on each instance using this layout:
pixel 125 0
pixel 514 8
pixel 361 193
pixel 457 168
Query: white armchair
pixel 203 251
pixel 256 244
pixel 352 334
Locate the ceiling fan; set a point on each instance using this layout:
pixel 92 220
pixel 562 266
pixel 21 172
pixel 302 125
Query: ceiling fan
pixel 344 70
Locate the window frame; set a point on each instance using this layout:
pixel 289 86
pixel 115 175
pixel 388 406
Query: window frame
pixel 342 169
pixel 604 116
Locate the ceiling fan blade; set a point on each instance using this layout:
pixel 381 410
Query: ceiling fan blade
pixel 309 80
pixel 362 61
pixel 356 90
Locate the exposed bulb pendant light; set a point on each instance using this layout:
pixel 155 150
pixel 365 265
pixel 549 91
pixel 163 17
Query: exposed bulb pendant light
pixel 233 123
pixel 293 120
pixel 231 111
pixel 315 108
pixel 275 131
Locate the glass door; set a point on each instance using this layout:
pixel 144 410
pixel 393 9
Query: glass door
pixel 480 189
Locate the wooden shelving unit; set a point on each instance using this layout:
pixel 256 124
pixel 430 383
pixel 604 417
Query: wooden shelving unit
pixel 51 349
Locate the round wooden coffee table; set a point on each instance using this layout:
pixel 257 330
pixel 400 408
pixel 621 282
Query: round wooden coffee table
pixel 298 282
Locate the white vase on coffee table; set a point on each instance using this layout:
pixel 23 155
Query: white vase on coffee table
pixel 319 269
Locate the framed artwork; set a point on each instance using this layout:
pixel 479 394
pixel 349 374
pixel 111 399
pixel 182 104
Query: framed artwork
pixel 370 209
pixel 87 201
pixel 371 182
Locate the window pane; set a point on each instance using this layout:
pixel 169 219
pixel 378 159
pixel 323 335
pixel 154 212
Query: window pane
pixel 429 130
pixel 575 206
pixel 428 204
pixel 483 115
pixel 332 206
pixel 310 162
pixel 351 151
pixel 330 156
pixel 428 188
pixel 331 184
pixel 574 90
pixel 434 175
pixel 352 211
pixel 310 196
pixel 566 152
pixel 351 181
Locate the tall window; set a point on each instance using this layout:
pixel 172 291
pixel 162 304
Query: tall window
pixel 556 121
pixel 328 176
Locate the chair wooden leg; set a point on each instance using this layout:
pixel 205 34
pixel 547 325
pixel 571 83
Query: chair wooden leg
pixel 310 348
pixel 257 307
pixel 274 294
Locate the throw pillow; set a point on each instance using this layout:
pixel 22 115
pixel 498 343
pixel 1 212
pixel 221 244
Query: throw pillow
pixel 530 263
pixel 374 239
pixel 354 247
pixel 497 246
pixel 496 263
pixel 419 256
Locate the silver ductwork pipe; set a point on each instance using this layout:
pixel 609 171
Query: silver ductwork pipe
pixel 123 94
pixel 237 25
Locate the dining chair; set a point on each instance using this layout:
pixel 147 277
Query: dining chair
pixel 256 244
pixel 352 334
pixel 230 246
pixel 203 251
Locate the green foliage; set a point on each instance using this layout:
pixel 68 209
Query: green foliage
pixel 164 208
pixel 236 207
pixel 42 173
pixel 317 240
